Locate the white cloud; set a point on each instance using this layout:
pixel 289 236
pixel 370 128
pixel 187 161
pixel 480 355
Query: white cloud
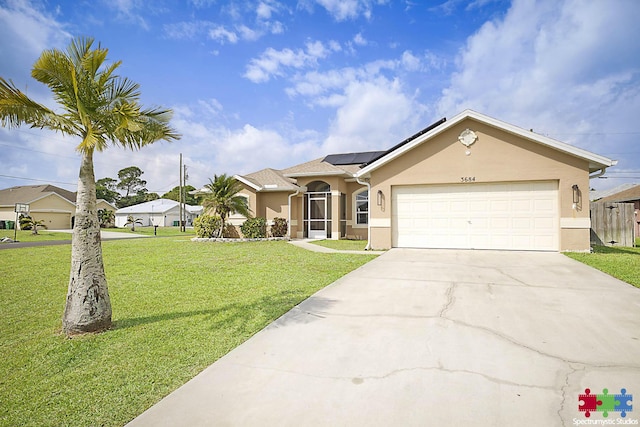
pixel 221 34
pixel 563 68
pixel 215 149
pixel 264 11
pixel 187 30
pixel 342 10
pixel 359 40
pixel 127 11
pixel 32 30
pixel 372 116
pixel 272 62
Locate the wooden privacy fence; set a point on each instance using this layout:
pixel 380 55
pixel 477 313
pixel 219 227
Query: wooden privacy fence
pixel 612 224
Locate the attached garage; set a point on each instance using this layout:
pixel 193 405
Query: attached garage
pixel 511 215
pixel 475 182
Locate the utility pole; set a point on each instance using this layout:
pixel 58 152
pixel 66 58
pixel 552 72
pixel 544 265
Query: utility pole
pixel 180 198
pixel 184 196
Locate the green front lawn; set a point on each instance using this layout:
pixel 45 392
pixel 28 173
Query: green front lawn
pixel 28 236
pixel 178 306
pixel 622 263
pixel 148 231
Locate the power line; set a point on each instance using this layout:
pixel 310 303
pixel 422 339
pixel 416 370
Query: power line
pixel 39 180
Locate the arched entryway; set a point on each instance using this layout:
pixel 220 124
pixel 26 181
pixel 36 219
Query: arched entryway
pixel 317 210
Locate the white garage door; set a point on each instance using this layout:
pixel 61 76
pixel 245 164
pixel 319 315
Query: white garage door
pixel 517 216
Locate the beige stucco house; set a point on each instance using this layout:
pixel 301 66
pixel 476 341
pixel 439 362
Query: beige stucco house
pixel 470 182
pixel 55 205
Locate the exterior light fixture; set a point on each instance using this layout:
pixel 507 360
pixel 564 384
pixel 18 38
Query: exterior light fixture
pixel 576 193
pixel 379 198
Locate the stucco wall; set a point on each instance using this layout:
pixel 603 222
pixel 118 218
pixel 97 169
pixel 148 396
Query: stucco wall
pixel 54 210
pixel 497 156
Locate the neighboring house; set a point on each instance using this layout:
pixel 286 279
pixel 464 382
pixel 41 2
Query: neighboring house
pixel 160 212
pixel 470 182
pixel 628 195
pixel 55 205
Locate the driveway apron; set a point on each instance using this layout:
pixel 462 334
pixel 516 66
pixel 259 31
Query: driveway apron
pixel 430 337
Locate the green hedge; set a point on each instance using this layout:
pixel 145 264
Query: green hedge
pixel 254 228
pixel 207 226
pixel 279 227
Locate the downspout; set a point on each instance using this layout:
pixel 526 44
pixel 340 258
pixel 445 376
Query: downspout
pixel 599 174
pixel 368 184
pixel 289 213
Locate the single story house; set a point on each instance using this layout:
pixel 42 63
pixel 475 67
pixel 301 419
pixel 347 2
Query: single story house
pixel 471 182
pixel 628 195
pixel 55 205
pixel 160 212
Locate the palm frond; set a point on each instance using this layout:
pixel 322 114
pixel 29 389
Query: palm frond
pixel 100 107
pixel 16 109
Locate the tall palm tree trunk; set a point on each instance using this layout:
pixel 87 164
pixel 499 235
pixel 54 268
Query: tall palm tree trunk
pixel 88 307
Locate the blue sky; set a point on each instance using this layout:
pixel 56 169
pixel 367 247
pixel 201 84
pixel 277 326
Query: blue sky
pixel 266 83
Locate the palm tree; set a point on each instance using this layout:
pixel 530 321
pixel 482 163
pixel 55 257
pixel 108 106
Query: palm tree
pixel 101 109
pixel 224 199
pixel 33 224
pixel 132 222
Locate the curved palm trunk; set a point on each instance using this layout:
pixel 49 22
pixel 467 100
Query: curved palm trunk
pixel 88 307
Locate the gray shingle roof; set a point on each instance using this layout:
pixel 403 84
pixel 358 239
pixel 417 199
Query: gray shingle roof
pixel 628 195
pixel 30 193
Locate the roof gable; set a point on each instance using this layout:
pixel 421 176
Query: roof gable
pixel 267 180
pixel 32 193
pixel 596 162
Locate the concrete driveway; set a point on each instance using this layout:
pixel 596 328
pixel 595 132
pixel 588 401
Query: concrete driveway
pixel 430 337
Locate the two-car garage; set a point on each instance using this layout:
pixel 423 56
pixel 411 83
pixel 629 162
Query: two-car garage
pixel 512 215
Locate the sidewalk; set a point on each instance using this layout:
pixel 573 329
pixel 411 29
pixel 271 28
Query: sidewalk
pixel 306 244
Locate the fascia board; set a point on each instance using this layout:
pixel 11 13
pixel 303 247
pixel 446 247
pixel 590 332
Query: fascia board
pixel 247 182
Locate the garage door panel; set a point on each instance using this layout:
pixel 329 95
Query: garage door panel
pixel 521 216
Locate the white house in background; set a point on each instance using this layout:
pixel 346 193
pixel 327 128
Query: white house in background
pixel 160 212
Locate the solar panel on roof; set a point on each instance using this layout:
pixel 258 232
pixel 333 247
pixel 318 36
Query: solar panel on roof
pixel 351 158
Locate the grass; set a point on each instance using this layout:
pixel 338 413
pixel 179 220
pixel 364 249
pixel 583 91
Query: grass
pixel 178 306
pixel 148 231
pixel 28 236
pixel 621 263
pixel 342 245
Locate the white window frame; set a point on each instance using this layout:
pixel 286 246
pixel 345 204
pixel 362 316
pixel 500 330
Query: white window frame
pixel 355 223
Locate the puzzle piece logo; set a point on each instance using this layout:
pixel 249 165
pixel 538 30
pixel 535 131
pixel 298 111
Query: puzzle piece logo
pixel 605 402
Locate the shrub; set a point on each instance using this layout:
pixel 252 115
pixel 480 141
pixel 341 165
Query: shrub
pixel 231 231
pixel 254 228
pixel 279 227
pixel 207 226
pixel 25 222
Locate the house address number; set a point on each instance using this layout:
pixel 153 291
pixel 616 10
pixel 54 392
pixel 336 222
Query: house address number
pixel 468 179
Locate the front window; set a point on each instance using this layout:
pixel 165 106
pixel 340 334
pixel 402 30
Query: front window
pixel 362 208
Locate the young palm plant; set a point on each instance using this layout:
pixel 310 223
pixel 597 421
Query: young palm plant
pixel 132 222
pixel 223 199
pixel 34 224
pixel 100 108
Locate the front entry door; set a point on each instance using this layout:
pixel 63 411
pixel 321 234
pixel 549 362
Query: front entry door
pixel 317 216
